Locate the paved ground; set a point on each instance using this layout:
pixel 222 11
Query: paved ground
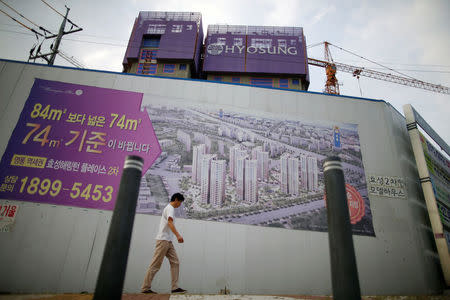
pixel 209 297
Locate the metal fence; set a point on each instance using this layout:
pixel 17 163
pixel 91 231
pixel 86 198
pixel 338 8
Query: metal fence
pixel 255 30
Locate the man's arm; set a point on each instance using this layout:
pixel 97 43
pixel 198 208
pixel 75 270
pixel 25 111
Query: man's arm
pixel 174 230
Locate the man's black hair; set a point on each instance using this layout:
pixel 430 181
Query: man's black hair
pixel 177 196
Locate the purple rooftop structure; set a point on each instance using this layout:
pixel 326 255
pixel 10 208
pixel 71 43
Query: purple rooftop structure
pixel 258 55
pixel 165 43
pixel 171 44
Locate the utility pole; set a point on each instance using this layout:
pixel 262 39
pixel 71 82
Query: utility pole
pixel 54 48
pixel 58 38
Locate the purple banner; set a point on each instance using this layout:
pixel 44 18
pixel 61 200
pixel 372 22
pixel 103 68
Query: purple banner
pixel 70 143
pixel 179 39
pixel 254 53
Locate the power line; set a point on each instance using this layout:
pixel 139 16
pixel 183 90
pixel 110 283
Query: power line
pixel 346 62
pixel 59 13
pixel 19 14
pixel 12 31
pixel 123 45
pixel 412 70
pixel 31 29
pixel 80 34
pixel 50 57
pixel 371 61
pixel 273 60
pixel 53 8
pixel 391 63
pixel 404 64
pixel 415 81
pixel 38 26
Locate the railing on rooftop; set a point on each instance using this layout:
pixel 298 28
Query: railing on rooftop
pixel 255 30
pixel 170 16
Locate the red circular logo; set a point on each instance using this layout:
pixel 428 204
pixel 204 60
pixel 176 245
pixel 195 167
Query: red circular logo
pixel 355 202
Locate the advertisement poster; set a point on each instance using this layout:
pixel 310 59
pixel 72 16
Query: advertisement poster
pixel 439 170
pixel 386 186
pixel 255 50
pixel 251 169
pixel 70 143
pixel 8 214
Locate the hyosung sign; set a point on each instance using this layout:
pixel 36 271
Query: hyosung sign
pixel 255 53
pixel 217 49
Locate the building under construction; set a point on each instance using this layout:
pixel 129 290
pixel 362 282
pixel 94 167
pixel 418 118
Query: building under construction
pixel 266 56
pixel 170 44
pixel 165 43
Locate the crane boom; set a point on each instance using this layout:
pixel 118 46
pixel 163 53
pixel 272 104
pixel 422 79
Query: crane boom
pixel 360 71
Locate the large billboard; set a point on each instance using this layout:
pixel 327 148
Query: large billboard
pixel 70 143
pixel 434 174
pixel 256 53
pixel 178 41
pixel 252 169
pixel 439 170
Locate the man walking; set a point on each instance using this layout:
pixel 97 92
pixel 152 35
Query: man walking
pixel 164 247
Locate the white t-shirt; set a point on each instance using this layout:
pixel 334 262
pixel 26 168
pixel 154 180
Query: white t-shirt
pixel 164 232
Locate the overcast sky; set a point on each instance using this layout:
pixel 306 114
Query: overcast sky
pixel 410 36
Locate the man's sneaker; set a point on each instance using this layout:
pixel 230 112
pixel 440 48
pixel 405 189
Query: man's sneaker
pixel 179 291
pixel 148 292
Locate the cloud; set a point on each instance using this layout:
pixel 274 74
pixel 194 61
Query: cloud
pixel 322 13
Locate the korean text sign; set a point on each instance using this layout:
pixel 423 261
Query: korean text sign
pixel 70 142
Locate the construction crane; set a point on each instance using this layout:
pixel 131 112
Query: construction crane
pixel 331 67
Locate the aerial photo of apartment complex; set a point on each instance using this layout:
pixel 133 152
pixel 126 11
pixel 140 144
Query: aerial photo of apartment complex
pixel 246 169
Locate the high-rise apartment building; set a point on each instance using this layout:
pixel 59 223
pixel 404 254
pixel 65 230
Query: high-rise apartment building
pixel 289 181
pixel 293 182
pixel 251 181
pixel 240 176
pixel 166 44
pixel 263 165
pixel 313 174
pixel 217 182
pixel 197 152
pixel 239 154
pixel 304 172
pixel 284 173
pixel 205 177
pixel 263 162
pixel 233 160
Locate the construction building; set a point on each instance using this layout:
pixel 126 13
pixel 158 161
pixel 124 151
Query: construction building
pixel 171 44
pixel 267 56
pixel 165 44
